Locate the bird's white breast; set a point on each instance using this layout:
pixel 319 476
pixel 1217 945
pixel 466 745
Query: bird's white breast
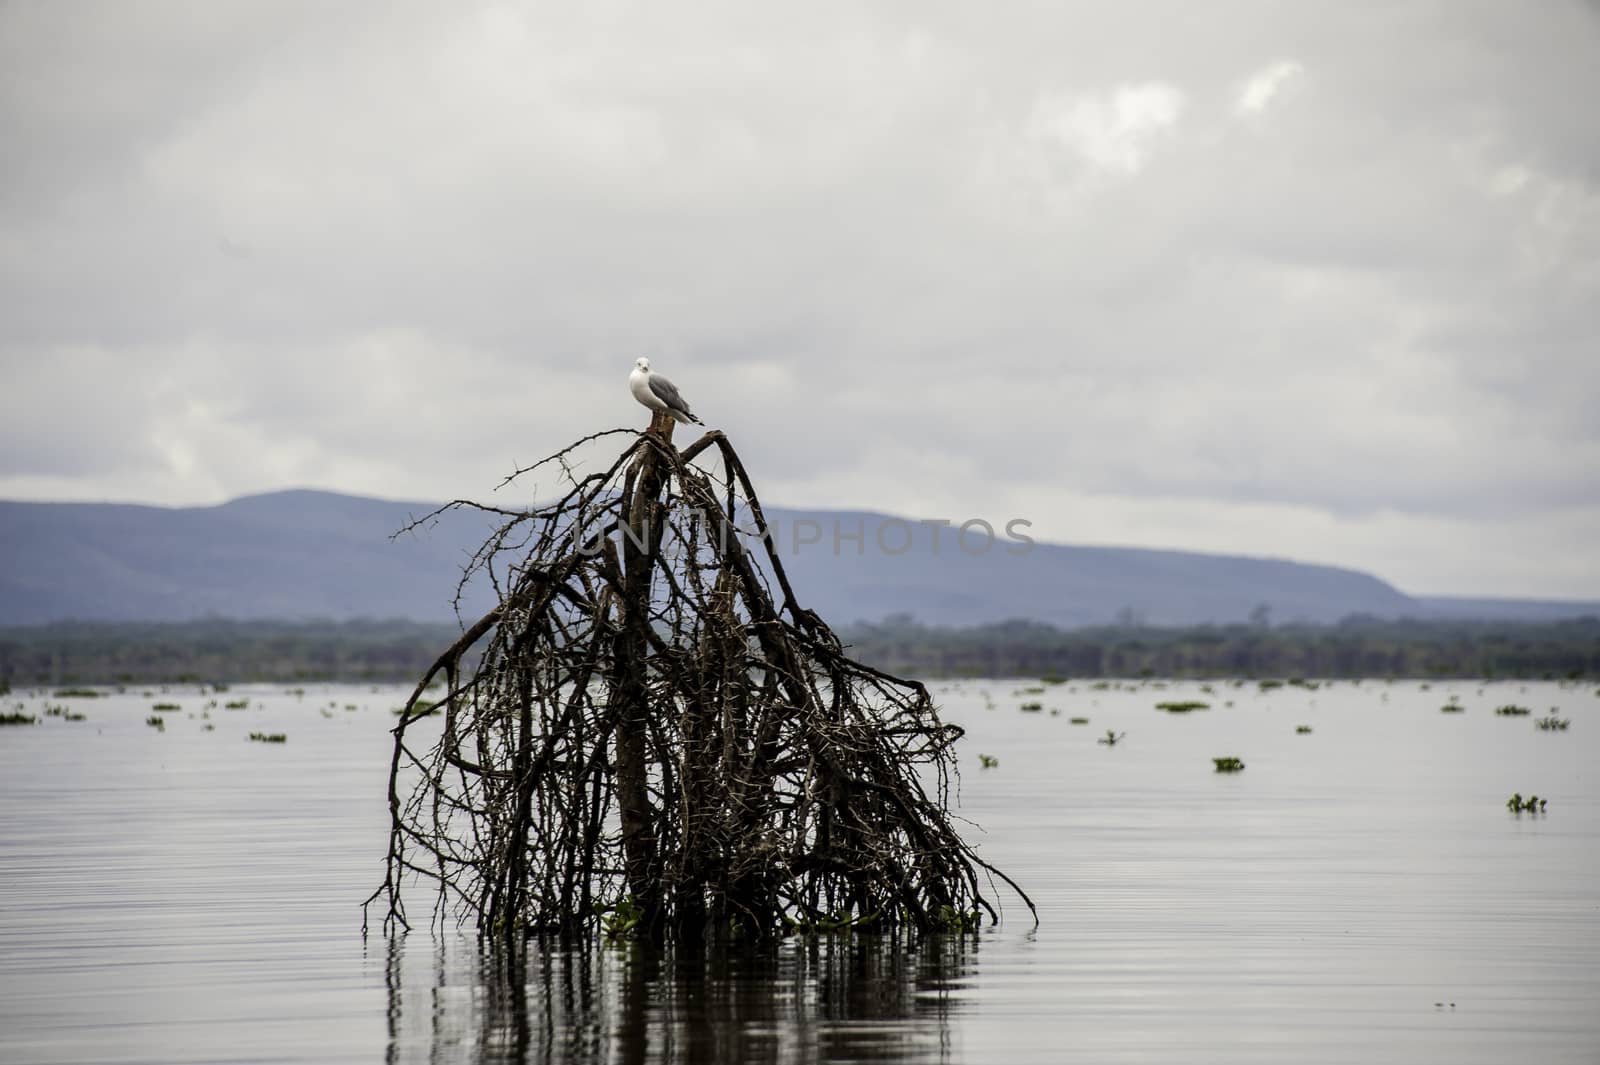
pixel 639 384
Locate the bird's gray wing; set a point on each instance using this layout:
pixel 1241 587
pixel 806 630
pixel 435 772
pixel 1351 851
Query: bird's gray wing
pixel 667 393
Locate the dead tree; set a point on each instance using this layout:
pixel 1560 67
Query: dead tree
pixel 649 734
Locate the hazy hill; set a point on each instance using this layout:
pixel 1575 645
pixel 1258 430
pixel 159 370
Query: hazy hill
pixel 296 554
pixel 306 554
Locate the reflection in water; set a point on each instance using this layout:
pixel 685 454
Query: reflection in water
pixel 851 997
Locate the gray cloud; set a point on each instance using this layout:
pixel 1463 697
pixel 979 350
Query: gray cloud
pixel 1251 277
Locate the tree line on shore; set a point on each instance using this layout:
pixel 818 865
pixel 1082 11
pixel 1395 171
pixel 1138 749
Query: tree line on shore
pixel 1357 647
pixel 384 651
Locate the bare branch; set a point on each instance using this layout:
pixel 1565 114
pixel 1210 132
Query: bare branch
pixel 642 735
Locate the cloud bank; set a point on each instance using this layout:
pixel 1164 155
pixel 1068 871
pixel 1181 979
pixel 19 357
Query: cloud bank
pixel 1270 279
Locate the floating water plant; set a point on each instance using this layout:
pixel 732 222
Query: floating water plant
pixel 1111 739
pixel 237 704
pixel 650 713
pixel 828 923
pixel 162 708
pixel 988 761
pixel 78 693
pixel 1183 707
pixel 1512 710
pixel 1032 708
pixel 1301 730
pixel 1451 708
pixel 269 737
pixel 950 919
pixel 18 718
pixel 1553 723
pixel 622 920
pixel 1269 685
pixel 1531 805
pixel 157 722
pixel 1078 721
pixel 1228 765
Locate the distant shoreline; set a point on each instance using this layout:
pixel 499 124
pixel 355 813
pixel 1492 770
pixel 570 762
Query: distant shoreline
pixel 220 650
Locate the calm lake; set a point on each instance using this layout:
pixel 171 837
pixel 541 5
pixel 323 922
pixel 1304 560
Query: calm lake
pixel 1359 893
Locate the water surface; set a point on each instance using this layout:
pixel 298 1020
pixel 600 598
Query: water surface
pixel 1358 893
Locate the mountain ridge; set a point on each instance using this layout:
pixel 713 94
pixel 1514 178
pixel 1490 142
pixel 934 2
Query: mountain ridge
pixel 310 553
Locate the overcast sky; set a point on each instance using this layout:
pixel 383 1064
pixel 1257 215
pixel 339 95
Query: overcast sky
pixel 1310 280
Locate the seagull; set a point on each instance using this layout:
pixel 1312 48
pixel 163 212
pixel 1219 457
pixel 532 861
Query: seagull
pixel 659 394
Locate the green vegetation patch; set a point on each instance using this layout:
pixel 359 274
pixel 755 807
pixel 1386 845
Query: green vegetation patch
pixel 78 693
pixel 1512 710
pixel 1301 730
pixel 1183 706
pixel 1531 805
pixel 1553 723
pixel 269 737
pixel 950 919
pixel 622 920
pixel 18 718
pixel 1228 765
pixel 1032 708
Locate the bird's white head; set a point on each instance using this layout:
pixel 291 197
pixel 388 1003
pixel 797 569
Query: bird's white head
pixel 642 364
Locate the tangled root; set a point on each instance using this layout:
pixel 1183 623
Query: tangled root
pixel 645 738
